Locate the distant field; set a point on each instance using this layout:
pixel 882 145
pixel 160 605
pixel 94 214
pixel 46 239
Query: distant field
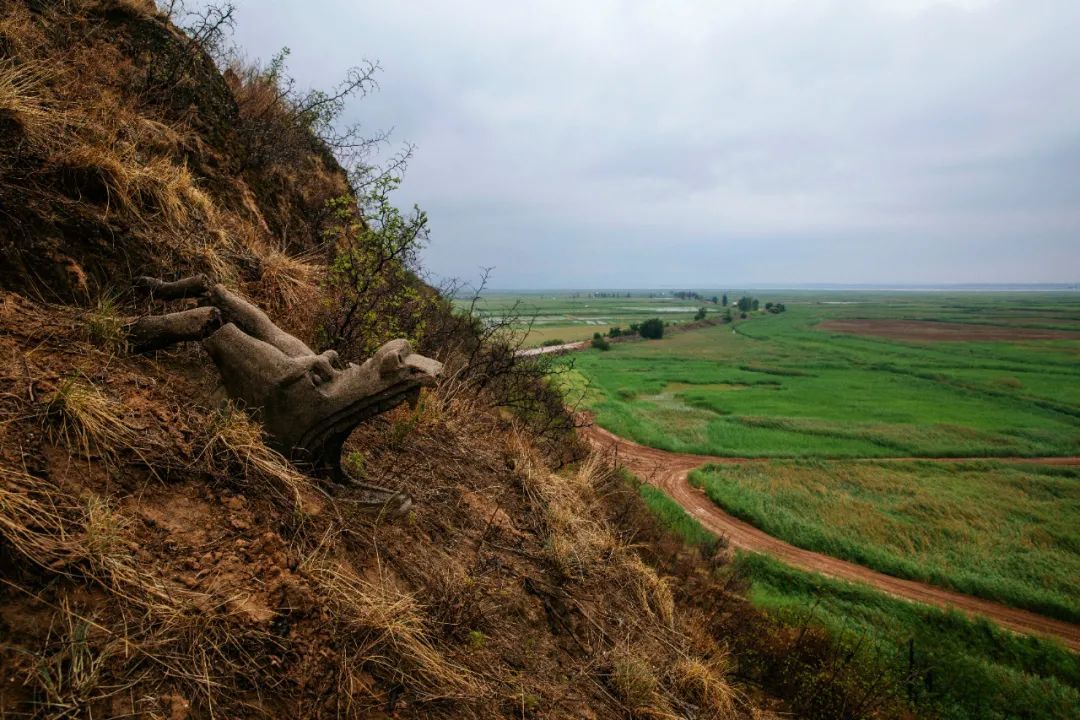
pixel 1005 532
pixel 844 376
pixel 576 316
pixel 786 386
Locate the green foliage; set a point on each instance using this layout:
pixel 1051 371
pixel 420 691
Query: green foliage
pixel 745 303
pixel 1004 532
pixel 615 332
pixel 476 640
pixel 355 464
pixel 652 329
pixel 700 314
pixel 376 293
pixel 599 343
pixel 723 300
pixel 962 669
pixel 552 342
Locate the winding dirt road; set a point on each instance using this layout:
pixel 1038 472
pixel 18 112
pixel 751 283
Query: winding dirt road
pixel 669 471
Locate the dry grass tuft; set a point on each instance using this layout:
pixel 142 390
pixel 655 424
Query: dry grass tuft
pixel 112 173
pixel 38 522
pixel 579 541
pixel 287 280
pixel 388 634
pixel 70 668
pixel 652 592
pixel 636 686
pixel 22 103
pixel 105 324
pixel 236 443
pixel 78 415
pixel 703 685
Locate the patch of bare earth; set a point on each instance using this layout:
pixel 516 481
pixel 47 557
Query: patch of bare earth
pixel 933 331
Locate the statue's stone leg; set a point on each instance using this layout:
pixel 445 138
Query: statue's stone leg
pixel 194 286
pixel 254 322
pixel 159 331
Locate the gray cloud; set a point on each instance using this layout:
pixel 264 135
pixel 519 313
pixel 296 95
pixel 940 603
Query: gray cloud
pixel 704 144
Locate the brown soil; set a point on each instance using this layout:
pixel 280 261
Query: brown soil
pixel 933 331
pixel 669 471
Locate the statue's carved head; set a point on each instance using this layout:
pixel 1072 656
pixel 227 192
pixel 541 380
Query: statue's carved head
pixel 316 418
pixel 398 363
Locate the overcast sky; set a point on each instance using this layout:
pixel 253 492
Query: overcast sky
pixel 724 143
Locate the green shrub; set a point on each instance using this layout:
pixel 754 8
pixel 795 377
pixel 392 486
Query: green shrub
pixel 652 329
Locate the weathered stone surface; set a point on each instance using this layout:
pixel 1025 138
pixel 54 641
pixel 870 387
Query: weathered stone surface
pixel 308 403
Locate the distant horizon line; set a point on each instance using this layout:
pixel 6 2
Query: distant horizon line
pixel 925 287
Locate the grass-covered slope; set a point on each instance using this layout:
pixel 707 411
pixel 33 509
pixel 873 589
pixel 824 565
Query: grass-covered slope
pixel 156 558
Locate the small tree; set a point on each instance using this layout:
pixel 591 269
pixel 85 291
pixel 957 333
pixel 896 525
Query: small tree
pixel 754 304
pixel 652 329
pixel 723 300
pixel 600 343
pixel 615 331
pixel 700 314
pixel 745 303
pixel 727 316
pixel 715 300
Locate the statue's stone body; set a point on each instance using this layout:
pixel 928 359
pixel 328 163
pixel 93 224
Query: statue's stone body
pixel 308 403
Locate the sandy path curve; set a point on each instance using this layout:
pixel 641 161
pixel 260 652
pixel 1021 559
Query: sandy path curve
pixel 669 471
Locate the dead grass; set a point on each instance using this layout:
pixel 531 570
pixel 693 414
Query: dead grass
pixel 80 416
pixel 636 686
pixel 22 102
pixel 38 522
pixel 387 632
pixel 71 665
pixel 287 280
pixel 236 447
pixel 704 685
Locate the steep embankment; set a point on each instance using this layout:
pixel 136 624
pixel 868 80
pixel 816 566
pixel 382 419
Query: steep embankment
pixel 156 557
pixel 670 471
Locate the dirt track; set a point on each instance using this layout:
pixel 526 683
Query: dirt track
pixel 669 471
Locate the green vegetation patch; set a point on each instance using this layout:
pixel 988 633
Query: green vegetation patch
pixel 807 392
pixel 960 668
pixel 676 519
pixel 1006 532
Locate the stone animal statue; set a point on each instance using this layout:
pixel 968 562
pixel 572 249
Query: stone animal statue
pixel 308 403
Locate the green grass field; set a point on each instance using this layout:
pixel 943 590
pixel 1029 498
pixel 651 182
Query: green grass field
pixel 779 386
pixel 811 400
pixel 825 410
pixel 968 669
pixel 1004 532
